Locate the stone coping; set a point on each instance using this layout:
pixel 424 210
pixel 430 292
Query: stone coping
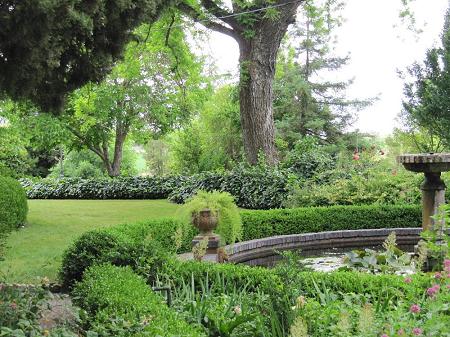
pixel 247 251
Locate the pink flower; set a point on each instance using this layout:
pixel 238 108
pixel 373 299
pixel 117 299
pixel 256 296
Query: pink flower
pixel 437 275
pixel 13 306
pixel 384 335
pixel 400 332
pixel 417 331
pixel 447 265
pixel 433 290
pixel 414 308
pixel 408 280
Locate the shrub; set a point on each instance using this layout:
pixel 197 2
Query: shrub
pixel 260 224
pixel 13 204
pixel 252 187
pixel 371 187
pixel 112 294
pixel 134 245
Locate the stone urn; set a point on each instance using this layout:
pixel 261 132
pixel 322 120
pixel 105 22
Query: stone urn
pixel 206 221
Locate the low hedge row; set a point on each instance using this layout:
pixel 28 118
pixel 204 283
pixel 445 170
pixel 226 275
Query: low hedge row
pixel 116 298
pixel 259 224
pixel 253 188
pixel 128 244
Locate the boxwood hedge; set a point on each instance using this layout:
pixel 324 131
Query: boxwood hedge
pixel 111 294
pixel 13 204
pixel 260 224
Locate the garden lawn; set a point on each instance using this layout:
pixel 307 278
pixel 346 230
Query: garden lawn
pixel 35 251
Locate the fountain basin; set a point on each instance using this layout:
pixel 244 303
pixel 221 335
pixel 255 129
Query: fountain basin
pixel 265 252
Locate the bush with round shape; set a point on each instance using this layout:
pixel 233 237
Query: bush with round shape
pixel 13 204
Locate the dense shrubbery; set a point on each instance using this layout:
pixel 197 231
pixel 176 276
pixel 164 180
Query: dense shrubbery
pixel 253 188
pixel 119 302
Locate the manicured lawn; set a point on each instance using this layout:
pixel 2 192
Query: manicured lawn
pixel 35 251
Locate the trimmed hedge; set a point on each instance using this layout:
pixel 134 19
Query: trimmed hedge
pixel 252 188
pixel 13 204
pixel 109 293
pixel 260 224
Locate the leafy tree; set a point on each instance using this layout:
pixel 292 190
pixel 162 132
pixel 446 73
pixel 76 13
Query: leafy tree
pixel 30 141
pixel 48 48
pixel 306 104
pixel 154 89
pixel 258 26
pixel 213 139
pixel 426 104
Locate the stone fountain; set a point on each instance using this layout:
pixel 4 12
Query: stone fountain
pixel 433 188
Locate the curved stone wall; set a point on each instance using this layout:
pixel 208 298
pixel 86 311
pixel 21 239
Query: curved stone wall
pixel 263 252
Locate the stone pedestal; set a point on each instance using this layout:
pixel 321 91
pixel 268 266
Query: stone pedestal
pixel 433 196
pixel 213 243
pixel 433 188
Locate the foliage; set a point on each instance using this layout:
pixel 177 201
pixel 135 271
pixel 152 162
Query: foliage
pixel 213 139
pixel 134 245
pixel 260 224
pixel 64 44
pixel 391 260
pixel 112 296
pixel 103 188
pixel 426 100
pixel 153 90
pixel 221 313
pixel 20 310
pixel 369 186
pixel 305 104
pixel 308 158
pixel 436 241
pixel 13 204
pixel 252 187
pixel 422 312
pixel 257 187
pixel 222 205
pixel 84 164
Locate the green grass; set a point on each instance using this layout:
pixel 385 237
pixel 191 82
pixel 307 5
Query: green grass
pixel 35 251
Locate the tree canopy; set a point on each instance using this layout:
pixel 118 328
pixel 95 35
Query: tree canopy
pixel 48 48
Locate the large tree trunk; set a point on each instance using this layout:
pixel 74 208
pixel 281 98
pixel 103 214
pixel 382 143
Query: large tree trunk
pixel 255 98
pixel 257 60
pixel 258 55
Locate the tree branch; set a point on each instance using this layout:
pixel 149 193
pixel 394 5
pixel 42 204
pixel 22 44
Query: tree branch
pixel 196 16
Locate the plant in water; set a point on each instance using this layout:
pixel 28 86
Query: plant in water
pixel 391 260
pixel 222 205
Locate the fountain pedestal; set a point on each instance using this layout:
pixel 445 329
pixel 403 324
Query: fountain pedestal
pixel 433 188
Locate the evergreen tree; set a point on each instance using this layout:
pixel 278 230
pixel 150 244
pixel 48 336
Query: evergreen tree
pixel 426 105
pixel 306 104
